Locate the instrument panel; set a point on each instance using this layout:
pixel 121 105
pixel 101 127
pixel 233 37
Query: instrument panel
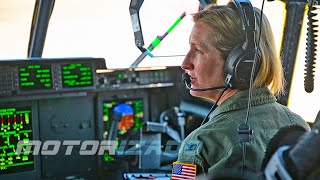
pixel 51 76
pixel 136 78
pixel 45 100
pixel 18 77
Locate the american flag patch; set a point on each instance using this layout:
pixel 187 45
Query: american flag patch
pixel 183 171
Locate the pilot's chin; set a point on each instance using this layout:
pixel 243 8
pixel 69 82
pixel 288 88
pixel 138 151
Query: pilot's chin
pixel 196 93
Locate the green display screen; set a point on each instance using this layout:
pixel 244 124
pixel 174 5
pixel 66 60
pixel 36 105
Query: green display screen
pixel 35 77
pixel 16 125
pixel 77 75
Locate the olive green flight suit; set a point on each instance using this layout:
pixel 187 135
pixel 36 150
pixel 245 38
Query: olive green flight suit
pixel 215 147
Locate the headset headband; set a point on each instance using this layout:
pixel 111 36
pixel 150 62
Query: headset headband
pixel 246 12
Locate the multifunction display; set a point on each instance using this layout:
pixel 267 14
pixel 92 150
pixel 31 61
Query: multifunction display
pixel 77 75
pixel 35 77
pixel 16 125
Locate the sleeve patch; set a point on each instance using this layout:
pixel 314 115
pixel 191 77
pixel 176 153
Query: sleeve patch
pixel 183 171
pixel 193 147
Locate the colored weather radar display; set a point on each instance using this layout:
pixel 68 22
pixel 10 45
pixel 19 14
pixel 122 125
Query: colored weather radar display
pixel 35 77
pixel 77 75
pixel 16 125
pixel 132 117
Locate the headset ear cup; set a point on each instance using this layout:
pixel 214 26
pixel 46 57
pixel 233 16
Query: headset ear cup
pixel 244 67
pixel 229 65
pixel 238 67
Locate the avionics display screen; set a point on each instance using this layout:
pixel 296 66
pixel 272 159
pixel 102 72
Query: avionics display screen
pixel 132 117
pixel 77 75
pixel 131 120
pixel 35 77
pixel 16 125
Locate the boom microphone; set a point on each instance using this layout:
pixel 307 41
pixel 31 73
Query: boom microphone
pixel 186 79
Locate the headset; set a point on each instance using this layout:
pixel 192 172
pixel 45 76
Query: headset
pixel 241 58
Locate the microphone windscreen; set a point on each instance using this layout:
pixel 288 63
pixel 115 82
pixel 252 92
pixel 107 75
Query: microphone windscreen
pixel 286 136
pixel 186 78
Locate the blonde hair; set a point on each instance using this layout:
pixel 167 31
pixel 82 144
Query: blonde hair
pixel 227 33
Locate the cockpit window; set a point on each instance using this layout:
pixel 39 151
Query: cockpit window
pixel 15 23
pixel 102 28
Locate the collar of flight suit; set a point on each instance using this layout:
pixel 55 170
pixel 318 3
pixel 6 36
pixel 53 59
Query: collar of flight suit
pixel 240 100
